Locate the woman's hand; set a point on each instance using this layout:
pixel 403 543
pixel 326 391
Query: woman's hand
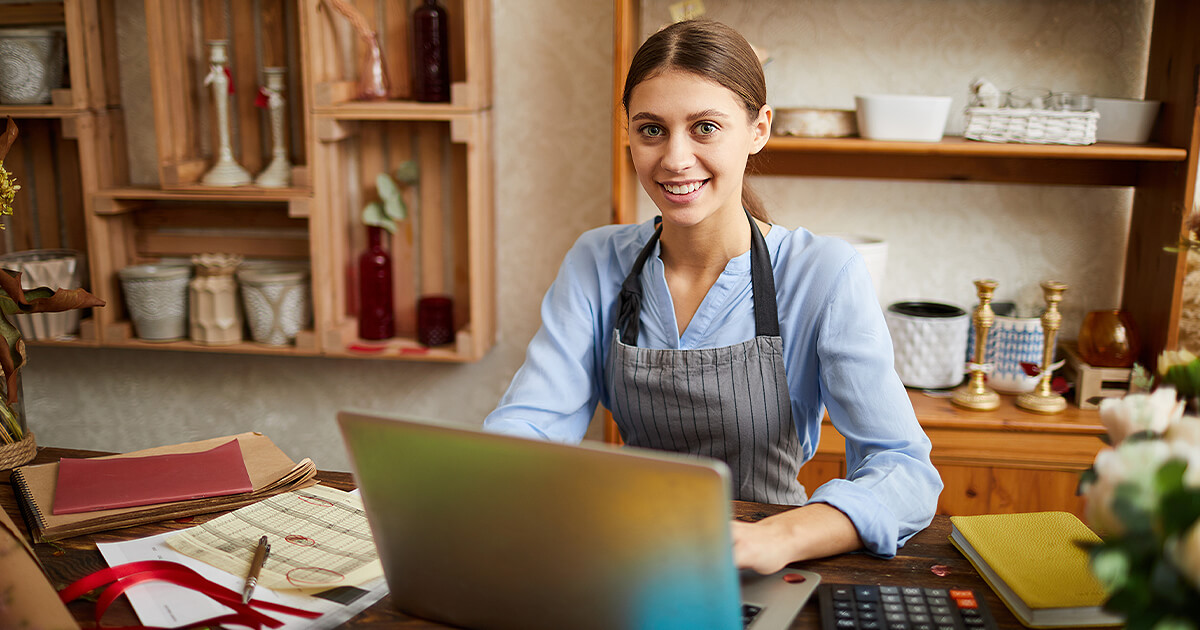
pixel 816 530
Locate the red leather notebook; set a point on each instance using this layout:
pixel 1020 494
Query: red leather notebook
pixel 85 485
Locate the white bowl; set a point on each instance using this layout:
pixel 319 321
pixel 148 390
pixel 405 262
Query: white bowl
pixel 902 117
pixel 1125 120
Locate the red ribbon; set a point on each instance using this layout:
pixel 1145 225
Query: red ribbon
pixel 123 576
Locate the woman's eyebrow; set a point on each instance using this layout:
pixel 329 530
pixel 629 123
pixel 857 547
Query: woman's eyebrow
pixel 707 113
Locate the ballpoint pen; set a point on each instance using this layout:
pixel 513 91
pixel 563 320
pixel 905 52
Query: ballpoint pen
pixel 260 558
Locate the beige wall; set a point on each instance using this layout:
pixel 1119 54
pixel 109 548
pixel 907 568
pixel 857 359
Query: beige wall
pixel 552 78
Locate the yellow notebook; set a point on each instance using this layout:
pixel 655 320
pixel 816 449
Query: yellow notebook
pixel 1033 563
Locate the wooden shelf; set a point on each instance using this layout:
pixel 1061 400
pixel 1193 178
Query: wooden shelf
pixel 938 412
pixel 41 111
pixel 956 146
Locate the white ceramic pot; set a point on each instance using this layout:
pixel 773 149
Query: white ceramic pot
pixel 902 117
pixel 54 268
pixel 1125 120
pixel 31 64
pixel 929 340
pixel 276 300
pixel 1011 342
pixel 157 299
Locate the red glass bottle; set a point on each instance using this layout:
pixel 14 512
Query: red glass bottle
pixel 431 50
pixel 376 317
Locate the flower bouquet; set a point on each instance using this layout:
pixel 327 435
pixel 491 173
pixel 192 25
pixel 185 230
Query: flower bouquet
pixel 1143 498
pixel 17 445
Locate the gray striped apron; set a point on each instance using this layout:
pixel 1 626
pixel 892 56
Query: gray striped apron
pixel 730 403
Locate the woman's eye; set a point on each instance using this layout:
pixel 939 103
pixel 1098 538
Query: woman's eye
pixel 652 131
pixel 706 128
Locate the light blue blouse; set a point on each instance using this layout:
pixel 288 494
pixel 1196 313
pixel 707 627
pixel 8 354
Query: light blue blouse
pixel 837 352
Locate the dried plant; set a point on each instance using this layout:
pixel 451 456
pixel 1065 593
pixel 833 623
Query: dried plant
pixel 15 300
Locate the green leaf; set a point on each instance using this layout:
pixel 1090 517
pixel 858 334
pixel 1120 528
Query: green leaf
pixel 408 172
pixel 1169 477
pixel 386 187
pixel 373 215
pixel 1180 509
pixel 1125 505
pixel 1111 567
pixel 1140 378
pixel 1086 478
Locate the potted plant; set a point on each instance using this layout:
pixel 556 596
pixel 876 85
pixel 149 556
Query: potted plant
pixel 17 444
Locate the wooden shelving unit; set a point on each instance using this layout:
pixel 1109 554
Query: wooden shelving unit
pixel 1008 460
pixel 336 146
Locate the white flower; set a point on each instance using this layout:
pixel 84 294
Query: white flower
pixel 1135 413
pixel 1133 463
pixel 1187 554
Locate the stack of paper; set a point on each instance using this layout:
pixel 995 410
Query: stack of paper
pixel 269 469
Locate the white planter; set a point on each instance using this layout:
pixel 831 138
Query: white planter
pixel 276 300
pixel 157 299
pixel 31 64
pixel 929 340
pixel 54 268
pixel 1012 341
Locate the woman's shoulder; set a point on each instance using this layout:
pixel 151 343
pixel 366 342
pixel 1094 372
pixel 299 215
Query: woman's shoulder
pixel 802 247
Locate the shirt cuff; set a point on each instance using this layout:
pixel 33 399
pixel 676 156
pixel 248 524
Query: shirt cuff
pixel 876 525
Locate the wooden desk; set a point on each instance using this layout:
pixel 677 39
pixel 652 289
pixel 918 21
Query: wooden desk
pixel 70 559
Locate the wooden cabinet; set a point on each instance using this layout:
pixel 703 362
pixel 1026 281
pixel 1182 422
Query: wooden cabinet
pixel 337 147
pixel 1009 460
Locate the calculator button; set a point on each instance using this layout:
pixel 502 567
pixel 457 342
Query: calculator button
pixel 844 614
pixel 841 592
pixel 868 606
pixel 893 608
pixel 936 592
pixel 922 626
pixel 956 593
pixel 943 620
pixel 938 601
pixel 973 623
pixel 918 618
pixel 866 593
pixel 870 624
pixel 897 626
pixel 842 604
pixel 889 590
pixel 868 614
pixel 918 602
pixel 890 599
pixel 896 617
pixel 846 623
pixel 966 602
pixel 945 628
pixel 940 610
pixel 912 591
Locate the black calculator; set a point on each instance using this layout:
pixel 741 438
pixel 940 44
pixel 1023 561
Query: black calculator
pixel 879 607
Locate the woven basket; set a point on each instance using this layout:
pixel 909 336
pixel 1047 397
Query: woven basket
pixel 1030 126
pixel 17 453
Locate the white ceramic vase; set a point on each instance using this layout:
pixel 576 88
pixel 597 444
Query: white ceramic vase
pixel 214 311
pixel 226 171
pixel 54 268
pixel 31 64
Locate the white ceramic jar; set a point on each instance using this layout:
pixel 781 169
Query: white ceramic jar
pixel 31 64
pixel 929 340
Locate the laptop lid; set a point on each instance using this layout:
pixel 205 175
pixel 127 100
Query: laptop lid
pixel 489 531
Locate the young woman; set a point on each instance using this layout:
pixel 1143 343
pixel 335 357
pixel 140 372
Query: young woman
pixel 711 331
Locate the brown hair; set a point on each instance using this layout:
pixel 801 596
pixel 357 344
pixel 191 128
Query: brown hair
pixel 713 51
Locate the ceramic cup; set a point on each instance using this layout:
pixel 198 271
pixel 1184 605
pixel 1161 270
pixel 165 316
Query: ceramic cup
pixel 156 296
pixel 1011 342
pixel 929 340
pixel 276 300
pixel 31 64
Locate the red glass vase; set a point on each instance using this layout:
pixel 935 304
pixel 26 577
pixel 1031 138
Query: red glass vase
pixel 376 315
pixel 1108 339
pixel 431 53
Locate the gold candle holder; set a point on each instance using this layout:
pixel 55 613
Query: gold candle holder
pixel 1043 399
pixel 976 395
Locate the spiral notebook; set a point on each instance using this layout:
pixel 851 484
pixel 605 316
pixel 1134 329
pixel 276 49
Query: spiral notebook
pixel 269 469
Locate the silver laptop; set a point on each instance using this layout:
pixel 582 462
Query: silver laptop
pixel 490 532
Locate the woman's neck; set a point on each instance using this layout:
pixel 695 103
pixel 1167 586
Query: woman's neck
pixel 709 245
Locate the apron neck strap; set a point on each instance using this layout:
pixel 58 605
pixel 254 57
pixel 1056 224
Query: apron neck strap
pixel 762 281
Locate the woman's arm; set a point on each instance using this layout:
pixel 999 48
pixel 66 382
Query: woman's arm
pixel 811 531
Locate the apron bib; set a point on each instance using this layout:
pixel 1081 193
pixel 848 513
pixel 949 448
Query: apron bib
pixel 729 403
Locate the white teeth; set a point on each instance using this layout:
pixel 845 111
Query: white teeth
pixel 682 189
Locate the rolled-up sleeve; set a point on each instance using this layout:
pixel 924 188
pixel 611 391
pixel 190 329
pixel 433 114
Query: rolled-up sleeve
pixel 891 488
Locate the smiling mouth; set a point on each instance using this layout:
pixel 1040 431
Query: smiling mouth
pixel 684 189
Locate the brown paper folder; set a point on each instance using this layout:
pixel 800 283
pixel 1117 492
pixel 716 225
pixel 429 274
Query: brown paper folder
pixel 271 472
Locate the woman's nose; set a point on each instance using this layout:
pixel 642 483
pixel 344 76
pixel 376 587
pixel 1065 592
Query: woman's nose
pixel 678 156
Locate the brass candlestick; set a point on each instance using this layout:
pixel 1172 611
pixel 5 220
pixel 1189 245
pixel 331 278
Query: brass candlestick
pixel 976 395
pixel 1043 399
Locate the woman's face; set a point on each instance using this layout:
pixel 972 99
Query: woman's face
pixel 690 139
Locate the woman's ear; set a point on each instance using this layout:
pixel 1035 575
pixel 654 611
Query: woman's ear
pixel 761 129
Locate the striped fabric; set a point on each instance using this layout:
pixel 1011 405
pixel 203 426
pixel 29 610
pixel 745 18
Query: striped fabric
pixel 730 403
